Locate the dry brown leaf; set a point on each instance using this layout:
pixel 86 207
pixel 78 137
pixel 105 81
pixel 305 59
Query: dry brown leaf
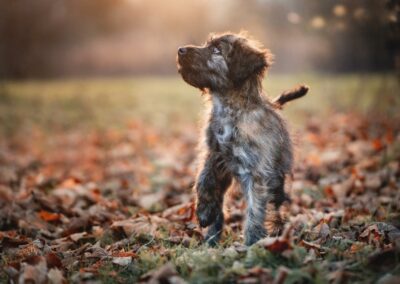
pixel 69 182
pixel 78 236
pixel 140 225
pixel 182 212
pixel 53 261
pixel 322 230
pixel 49 216
pixel 122 260
pixel 281 274
pixel 275 244
pixel 164 274
pixel 356 247
pixel 55 276
pixel 6 194
pixel 148 201
pixel 310 245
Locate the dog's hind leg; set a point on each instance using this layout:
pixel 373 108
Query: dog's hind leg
pixel 260 195
pixel 256 197
pixel 276 196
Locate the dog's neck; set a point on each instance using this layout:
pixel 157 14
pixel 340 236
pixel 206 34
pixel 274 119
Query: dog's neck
pixel 247 97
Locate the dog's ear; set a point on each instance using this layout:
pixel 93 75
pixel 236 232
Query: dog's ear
pixel 246 59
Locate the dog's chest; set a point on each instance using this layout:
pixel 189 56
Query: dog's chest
pixel 239 157
pixel 223 123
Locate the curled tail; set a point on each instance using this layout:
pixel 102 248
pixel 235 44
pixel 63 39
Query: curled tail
pixel 292 94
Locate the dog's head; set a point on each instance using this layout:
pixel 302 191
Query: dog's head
pixel 224 62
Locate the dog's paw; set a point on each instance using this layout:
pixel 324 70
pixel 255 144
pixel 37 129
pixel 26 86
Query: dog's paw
pixel 205 220
pixel 206 214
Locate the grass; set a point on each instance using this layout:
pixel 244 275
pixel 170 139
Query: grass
pixel 199 264
pixel 167 102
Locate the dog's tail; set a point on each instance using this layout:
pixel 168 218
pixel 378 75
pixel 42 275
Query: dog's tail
pixel 292 94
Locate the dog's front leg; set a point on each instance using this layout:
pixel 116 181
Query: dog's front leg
pixel 211 185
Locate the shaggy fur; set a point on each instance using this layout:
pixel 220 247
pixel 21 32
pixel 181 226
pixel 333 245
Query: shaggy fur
pixel 245 138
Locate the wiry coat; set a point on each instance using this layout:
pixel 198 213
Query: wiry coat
pixel 245 138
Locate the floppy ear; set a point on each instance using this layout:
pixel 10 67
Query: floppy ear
pixel 246 60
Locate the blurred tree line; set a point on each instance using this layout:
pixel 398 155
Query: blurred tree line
pixel 45 38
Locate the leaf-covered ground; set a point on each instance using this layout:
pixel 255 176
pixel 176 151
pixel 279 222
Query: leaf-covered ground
pixel 115 205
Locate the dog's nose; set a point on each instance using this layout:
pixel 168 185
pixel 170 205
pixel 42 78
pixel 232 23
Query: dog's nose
pixel 182 50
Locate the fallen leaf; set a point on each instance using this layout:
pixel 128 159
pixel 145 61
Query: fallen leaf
pixel 6 194
pixel 49 216
pixel 356 247
pixel 124 254
pixel 275 244
pixel 55 276
pixel 122 261
pixel 53 261
pixel 149 201
pixel 182 212
pixel 140 225
pixel 281 274
pixel 322 230
pixel 164 274
pixel 310 245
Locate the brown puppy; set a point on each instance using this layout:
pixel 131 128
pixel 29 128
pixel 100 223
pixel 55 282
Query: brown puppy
pixel 245 138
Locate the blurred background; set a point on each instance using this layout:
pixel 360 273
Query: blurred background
pixel 53 38
pixel 112 59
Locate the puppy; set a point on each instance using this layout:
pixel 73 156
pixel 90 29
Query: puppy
pixel 245 138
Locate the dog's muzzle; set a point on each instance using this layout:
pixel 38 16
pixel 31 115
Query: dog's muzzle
pixel 182 51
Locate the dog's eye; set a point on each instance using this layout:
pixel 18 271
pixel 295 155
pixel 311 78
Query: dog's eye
pixel 216 50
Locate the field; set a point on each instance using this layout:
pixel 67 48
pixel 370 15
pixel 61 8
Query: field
pixel 96 183
pixel 167 101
